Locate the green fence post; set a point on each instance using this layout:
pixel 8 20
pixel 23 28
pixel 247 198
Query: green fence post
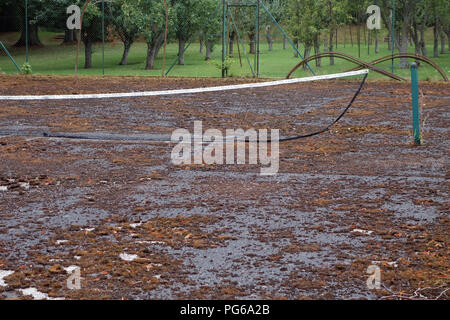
pixel 26 31
pixel 103 37
pixel 393 33
pixel 223 38
pixel 415 102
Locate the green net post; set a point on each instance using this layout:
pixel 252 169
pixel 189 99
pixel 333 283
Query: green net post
pixel 415 103
pixel 103 37
pixel 26 31
pixel 393 33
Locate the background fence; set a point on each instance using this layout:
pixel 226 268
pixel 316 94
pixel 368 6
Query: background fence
pixel 126 37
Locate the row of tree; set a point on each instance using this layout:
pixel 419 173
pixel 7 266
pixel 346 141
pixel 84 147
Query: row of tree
pixel 126 20
pixel 312 23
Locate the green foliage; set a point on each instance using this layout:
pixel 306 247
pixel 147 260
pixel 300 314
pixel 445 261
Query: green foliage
pixel 211 19
pixel 226 66
pixel 148 15
pixel 306 19
pixel 188 17
pixel 26 68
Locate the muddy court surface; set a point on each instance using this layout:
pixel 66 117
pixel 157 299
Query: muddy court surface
pixel 139 227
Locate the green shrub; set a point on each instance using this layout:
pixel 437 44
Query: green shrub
pixel 26 68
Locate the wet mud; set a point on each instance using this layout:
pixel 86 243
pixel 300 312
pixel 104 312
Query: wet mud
pixel 110 202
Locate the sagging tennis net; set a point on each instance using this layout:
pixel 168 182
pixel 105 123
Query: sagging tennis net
pixel 298 111
pixel 186 91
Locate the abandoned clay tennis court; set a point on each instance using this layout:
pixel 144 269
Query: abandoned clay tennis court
pixel 139 227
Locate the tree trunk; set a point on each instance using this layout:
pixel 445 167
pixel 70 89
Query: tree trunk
pixel 337 38
pixel 269 42
pixel 252 37
pixel 443 44
pixel 201 44
pixel 423 47
pixel 331 47
pixel 436 40
pixel 295 51
pixel 153 48
pixel 415 37
pixel 208 49
pixel 377 42
pixel 269 39
pixel 351 36
pixel 126 50
pixel 345 37
pixel 181 44
pixel 307 53
pixel 359 41
pixel 285 42
pixel 33 37
pixel 231 45
pixel 448 37
pixel 317 51
pixel 404 40
pixel 87 53
pixel 390 41
pixel 365 37
pixel 69 36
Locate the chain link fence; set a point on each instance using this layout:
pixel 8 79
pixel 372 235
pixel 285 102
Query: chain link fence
pixel 126 37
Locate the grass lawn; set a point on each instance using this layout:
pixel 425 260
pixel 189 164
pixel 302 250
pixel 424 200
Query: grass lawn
pixel 57 59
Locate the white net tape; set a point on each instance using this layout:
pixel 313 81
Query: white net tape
pixel 186 91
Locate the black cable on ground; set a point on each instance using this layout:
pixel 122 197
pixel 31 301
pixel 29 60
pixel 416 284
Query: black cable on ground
pixel 334 122
pixel 127 138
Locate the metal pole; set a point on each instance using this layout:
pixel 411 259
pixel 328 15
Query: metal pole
pixel 415 102
pixel 393 33
pixel 103 37
pixel 10 57
pixel 257 36
pixel 165 38
pixel 239 39
pixel 26 31
pixel 223 38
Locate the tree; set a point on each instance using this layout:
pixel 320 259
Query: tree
pixel 278 10
pixel 441 24
pixel 52 14
pixel 245 18
pixel 305 23
pixel 34 8
pixel 356 11
pixel 188 20
pixel 125 25
pixel 211 25
pixel 419 24
pixel 150 15
pixel 91 30
pixel 404 19
pixel 446 20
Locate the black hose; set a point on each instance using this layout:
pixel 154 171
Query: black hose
pixel 127 138
pixel 333 123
